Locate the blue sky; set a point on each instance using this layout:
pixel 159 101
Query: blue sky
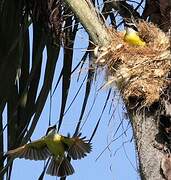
pixel 116 163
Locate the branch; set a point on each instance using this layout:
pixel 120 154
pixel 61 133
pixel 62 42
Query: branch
pixel 91 21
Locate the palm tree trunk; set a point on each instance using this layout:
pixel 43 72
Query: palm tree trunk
pixel 145 130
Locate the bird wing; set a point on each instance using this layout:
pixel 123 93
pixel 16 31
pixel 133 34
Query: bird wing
pixel 36 150
pixel 77 147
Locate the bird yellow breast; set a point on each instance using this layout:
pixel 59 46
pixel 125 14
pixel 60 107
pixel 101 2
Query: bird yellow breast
pixel 57 137
pixel 134 39
pixel 55 145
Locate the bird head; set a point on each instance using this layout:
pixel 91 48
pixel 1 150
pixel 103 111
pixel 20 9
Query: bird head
pixel 51 130
pixel 131 27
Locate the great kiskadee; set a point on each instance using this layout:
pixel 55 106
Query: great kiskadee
pixel 57 147
pixel 131 36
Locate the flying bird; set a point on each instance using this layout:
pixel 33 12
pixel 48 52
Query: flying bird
pixel 57 147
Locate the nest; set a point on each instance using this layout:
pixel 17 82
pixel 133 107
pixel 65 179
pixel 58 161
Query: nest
pixel 139 72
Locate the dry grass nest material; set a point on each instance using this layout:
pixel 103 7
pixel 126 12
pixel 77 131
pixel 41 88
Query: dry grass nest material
pixel 139 72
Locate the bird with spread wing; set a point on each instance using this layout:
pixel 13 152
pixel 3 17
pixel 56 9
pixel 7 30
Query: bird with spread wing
pixel 57 147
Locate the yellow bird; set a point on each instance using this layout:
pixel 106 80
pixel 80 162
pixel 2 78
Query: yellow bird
pixel 57 147
pixel 131 36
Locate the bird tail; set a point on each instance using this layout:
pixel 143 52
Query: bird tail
pixel 60 167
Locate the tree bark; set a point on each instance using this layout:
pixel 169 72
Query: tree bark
pixel 145 129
